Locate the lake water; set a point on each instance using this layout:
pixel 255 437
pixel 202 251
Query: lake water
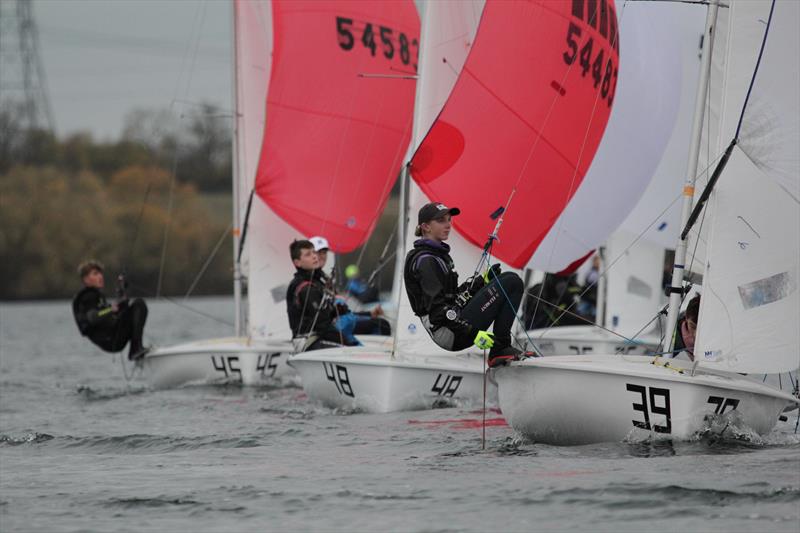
pixel 81 450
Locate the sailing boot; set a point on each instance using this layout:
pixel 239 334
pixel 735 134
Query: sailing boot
pixel 137 352
pixel 503 356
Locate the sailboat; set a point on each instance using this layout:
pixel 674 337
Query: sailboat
pixel 491 88
pixel 750 307
pixel 323 117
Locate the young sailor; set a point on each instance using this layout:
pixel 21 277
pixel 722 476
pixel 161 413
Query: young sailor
pixel 109 325
pixel 457 317
pixel 309 304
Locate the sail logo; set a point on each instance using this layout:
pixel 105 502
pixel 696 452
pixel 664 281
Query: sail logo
pixel 596 59
pixel 712 355
pixel 378 40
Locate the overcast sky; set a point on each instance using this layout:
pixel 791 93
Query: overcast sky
pixel 103 58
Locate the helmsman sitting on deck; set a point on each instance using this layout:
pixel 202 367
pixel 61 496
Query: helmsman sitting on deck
pixel 309 304
pixel 109 325
pixel 349 322
pixel 456 317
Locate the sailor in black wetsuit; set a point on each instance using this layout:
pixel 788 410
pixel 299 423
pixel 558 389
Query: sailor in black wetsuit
pixel 309 305
pixel 109 325
pixel 456 317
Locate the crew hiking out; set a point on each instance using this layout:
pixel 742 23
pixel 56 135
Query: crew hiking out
pixel 457 316
pixel 108 325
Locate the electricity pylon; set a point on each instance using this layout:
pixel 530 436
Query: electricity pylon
pixel 22 78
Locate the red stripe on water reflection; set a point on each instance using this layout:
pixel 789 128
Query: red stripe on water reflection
pixel 462 423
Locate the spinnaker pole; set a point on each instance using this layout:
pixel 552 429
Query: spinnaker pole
pixel 679 266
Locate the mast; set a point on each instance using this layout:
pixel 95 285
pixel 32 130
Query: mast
pixel 237 267
pixel 405 180
pixel 679 266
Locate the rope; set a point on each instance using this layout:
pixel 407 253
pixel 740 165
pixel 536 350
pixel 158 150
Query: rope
pixel 208 260
pixel 181 305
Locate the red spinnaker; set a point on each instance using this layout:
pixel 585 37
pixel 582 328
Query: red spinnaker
pixel 528 111
pixel 339 113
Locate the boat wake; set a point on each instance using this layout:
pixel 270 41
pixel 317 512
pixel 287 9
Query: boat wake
pixel 107 393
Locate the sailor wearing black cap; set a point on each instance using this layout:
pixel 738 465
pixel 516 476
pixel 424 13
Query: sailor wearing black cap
pixel 456 316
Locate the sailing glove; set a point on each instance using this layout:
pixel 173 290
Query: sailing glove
pixel 491 273
pixel 484 340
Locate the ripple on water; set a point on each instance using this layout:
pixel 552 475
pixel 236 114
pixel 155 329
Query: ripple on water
pixel 644 495
pixel 28 438
pixel 135 442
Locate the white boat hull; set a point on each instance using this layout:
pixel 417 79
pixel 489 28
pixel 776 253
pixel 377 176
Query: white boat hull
pixel 585 399
pixel 370 380
pixel 229 360
pixel 583 340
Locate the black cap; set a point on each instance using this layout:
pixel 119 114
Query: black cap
pixel 435 210
pixel 432 211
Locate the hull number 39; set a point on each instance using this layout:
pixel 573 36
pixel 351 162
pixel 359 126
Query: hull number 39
pixel 652 401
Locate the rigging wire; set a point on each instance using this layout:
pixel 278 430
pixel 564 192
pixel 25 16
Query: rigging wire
pixel 632 244
pixel 195 36
pixel 207 262
pixel 580 155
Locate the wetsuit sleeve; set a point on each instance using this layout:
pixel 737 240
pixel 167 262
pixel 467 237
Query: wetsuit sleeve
pixel 432 281
pixel 92 313
pixel 311 300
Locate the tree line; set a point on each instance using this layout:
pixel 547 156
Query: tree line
pixel 162 190
pixel 122 202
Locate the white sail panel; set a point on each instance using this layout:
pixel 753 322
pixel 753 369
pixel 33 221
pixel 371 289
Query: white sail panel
pixel 266 259
pixel 750 309
pixel 643 118
pixel 448 30
pixel 663 191
pixel 633 283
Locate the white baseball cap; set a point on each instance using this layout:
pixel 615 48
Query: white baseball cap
pixel 320 243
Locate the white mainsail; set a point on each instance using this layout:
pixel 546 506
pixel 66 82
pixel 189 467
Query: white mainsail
pixel 267 265
pixel 750 309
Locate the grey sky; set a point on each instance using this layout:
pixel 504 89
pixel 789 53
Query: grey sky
pixel 104 58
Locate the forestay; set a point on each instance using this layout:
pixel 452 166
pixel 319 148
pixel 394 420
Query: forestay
pixel 750 309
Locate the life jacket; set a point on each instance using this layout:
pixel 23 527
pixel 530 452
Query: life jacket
pixel 318 312
pixel 440 252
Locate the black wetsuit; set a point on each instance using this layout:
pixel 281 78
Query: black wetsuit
pixel 311 310
pixel 433 290
pixel 110 330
